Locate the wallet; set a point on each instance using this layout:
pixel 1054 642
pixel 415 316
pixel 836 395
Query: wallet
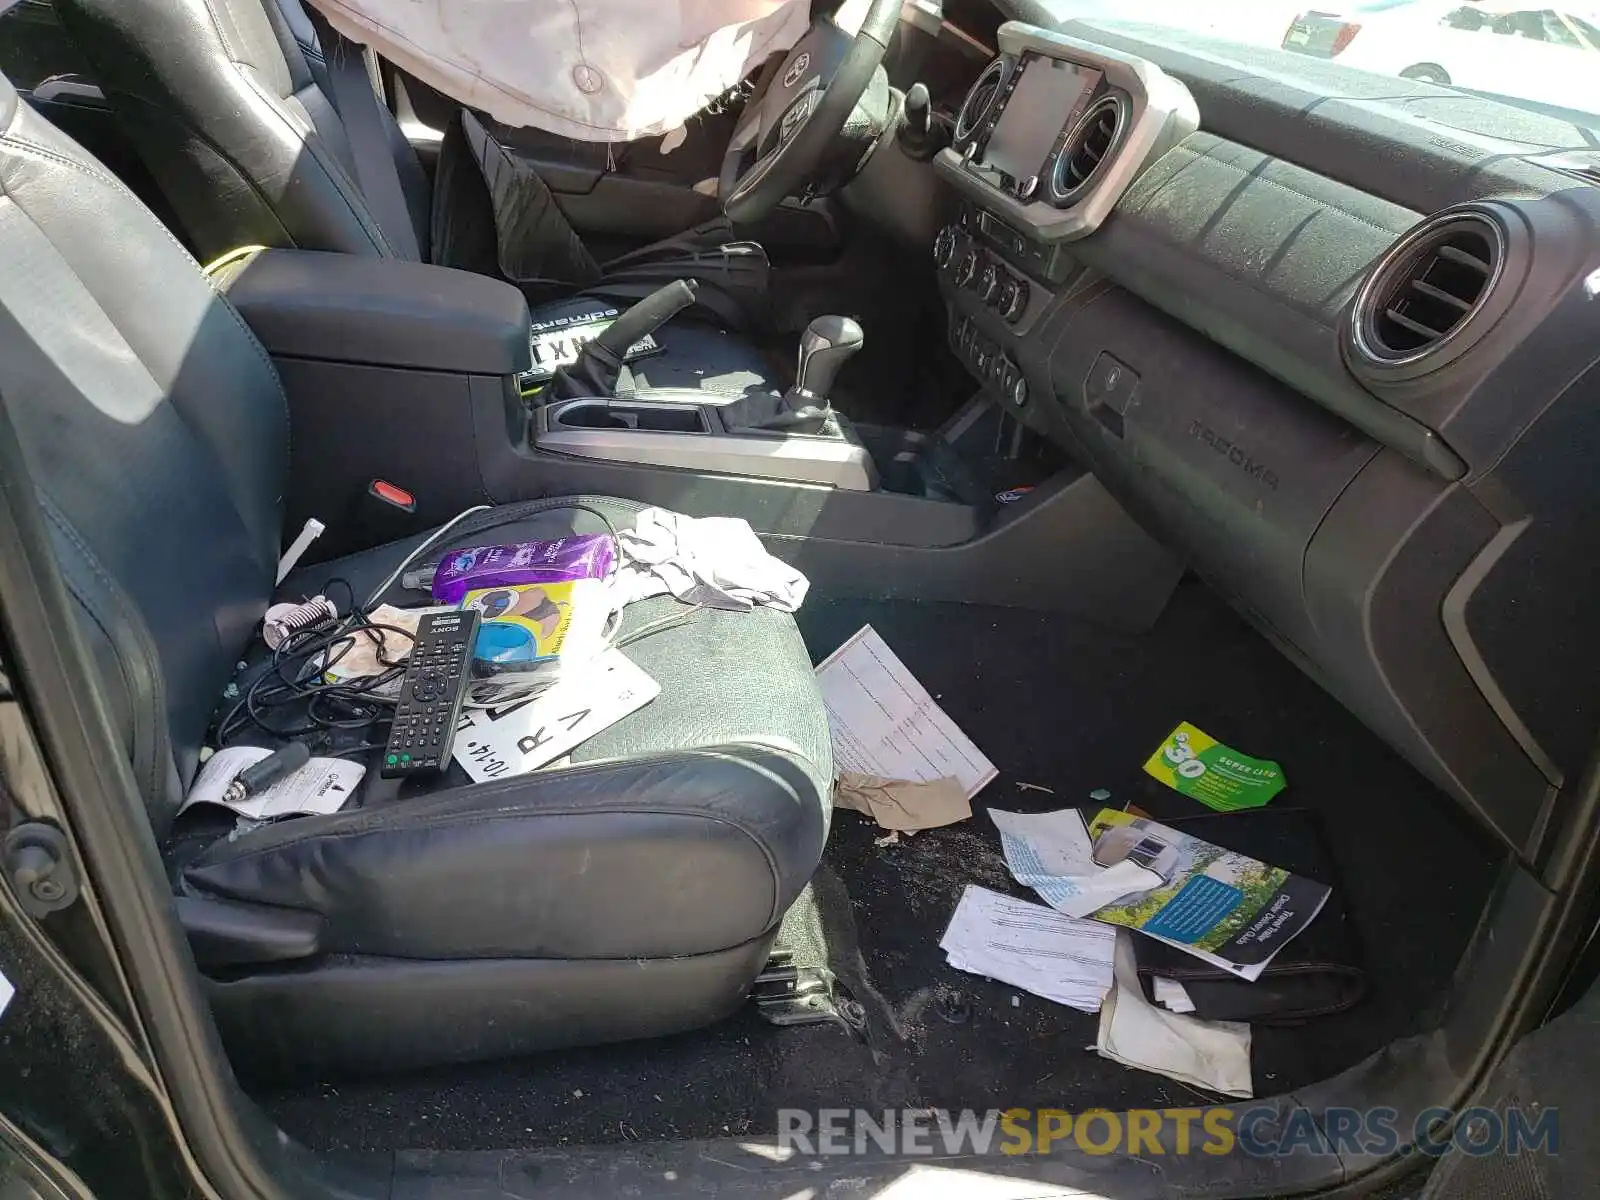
pixel 1315 975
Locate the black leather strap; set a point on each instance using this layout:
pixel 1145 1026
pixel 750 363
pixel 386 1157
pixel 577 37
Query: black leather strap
pixel 349 74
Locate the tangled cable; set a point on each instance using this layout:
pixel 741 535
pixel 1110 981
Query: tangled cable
pixel 296 678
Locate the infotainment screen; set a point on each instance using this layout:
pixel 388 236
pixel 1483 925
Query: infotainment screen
pixel 1047 90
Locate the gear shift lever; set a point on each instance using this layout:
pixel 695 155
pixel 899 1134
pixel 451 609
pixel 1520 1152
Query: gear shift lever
pixel 825 346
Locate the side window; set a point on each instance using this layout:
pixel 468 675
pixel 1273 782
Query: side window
pixel 1466 17
pixel 1527 24
pixel 1589 35
pixel 1557 31
pixel 33 46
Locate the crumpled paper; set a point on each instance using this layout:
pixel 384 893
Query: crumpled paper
pixel 1135 1033
pixel 902 805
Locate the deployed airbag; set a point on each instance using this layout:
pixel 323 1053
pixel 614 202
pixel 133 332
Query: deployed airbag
pixel 594 70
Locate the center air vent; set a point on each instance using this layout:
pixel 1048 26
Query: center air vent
pixel 977 107
pixel 1086 151
pixel 1420 300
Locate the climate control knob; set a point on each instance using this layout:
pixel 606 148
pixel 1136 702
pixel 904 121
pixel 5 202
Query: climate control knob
pixel 1017 390
pixel 989 283
pixel 1011 299
pixel 967 269
pixel 944 247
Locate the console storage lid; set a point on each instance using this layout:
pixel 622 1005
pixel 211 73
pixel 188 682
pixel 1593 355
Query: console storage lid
pixel 382 312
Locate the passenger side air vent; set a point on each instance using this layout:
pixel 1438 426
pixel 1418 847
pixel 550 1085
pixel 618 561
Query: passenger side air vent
pixel 1087 150
pixel 1422 298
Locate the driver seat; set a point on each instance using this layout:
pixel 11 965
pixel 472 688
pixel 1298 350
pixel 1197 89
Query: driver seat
pixel 256 137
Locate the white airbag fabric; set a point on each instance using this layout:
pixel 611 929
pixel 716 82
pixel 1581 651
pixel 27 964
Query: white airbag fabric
pixel 594 70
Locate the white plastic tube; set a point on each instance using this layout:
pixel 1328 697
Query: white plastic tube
pixel 312 531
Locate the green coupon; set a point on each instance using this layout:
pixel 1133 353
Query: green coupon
pixel 1218 776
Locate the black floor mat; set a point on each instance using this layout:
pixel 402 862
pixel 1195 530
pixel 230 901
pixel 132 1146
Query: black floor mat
pixel 1057 705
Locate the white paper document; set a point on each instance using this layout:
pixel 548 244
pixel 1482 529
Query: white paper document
pixel 884 723
pixel 320 787
pixel 1030 947
pixel 1051 853
pixel 1172 995
pixel 523 736
pixel 1135 1033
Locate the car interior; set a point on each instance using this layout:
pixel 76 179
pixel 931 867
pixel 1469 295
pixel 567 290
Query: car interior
pixel 1116 378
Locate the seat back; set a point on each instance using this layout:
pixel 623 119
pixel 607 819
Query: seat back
pixel 157 438
pixel 237 113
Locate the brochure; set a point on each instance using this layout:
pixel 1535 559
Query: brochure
pixel 1227 909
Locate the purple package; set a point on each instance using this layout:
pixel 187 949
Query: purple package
pixel 581 556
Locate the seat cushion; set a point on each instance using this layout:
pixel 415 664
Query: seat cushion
pixel 687 828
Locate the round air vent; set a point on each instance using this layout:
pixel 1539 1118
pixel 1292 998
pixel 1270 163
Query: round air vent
pixel 979 104
pixel 1087 150
pixel 1421 305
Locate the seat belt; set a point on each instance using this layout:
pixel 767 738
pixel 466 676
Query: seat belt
pixel 357 100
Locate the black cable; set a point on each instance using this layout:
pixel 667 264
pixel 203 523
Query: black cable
pixel 295 679
pixel 364 748
pixel 292 685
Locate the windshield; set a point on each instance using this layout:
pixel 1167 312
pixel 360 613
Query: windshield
pixel 1542 59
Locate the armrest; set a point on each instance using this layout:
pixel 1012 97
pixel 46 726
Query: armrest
pixel 380 312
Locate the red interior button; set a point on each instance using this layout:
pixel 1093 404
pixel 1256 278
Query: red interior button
pixel 393 494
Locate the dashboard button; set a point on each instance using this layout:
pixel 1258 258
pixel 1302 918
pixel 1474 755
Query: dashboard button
pixel 1017 390
pixel 1111 382
pixel 1027 187
pixel 944 247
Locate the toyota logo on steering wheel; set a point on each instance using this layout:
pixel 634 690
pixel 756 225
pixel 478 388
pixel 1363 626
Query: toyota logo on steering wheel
pixel 797 69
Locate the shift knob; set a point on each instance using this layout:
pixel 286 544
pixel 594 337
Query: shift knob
pixel 824 347
pixel 918 109
pixel 919 135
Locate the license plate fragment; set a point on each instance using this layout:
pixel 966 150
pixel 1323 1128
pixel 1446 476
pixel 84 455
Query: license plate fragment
pixel 558 345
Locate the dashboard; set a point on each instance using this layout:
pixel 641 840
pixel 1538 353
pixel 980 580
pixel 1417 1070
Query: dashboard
pixel 1370 423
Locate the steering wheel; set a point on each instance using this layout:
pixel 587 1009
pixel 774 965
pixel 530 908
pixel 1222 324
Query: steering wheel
pixel 801 110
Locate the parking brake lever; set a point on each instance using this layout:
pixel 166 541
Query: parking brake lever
pixel 599 363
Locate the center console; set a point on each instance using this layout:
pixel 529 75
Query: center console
pixel 793 437
pixel 701 431
pixel 406 374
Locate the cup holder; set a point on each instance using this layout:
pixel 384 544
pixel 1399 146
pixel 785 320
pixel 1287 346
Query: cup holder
pixel 623 414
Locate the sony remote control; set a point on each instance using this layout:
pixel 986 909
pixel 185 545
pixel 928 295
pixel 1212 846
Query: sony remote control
pixel 431 694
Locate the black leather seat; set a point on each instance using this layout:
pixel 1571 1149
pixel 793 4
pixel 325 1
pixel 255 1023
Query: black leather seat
pixel 632 893
pixel 256 138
